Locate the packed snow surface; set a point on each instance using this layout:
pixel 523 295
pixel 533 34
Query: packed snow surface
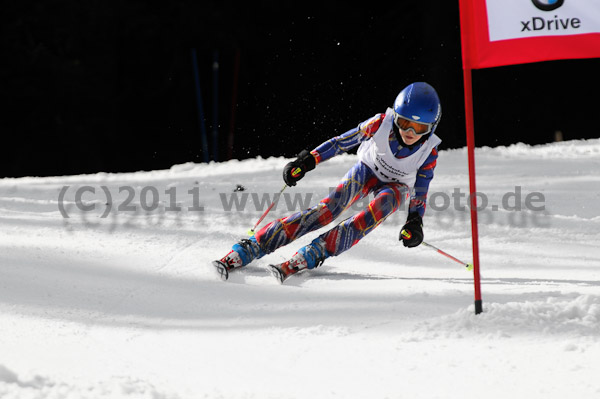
pixel 106 288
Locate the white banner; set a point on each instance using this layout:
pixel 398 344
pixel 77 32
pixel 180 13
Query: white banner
pixel 517 19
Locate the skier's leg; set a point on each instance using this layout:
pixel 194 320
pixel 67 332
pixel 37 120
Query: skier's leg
pixel 240 255
pixel 346 234
pixel 356 184
pixel 387 200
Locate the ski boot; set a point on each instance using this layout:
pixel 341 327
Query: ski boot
pixel 240 255
pixel 308 257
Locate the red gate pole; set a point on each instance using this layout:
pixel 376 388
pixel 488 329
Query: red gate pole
pixel 472 186
pixel 466 18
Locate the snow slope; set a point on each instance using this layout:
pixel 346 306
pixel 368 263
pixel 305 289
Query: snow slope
pixel 118 301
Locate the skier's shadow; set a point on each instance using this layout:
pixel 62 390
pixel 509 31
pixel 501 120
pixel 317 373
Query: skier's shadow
pixel 253 275
pixel 260 274
pixel 341 275
pixel 326 273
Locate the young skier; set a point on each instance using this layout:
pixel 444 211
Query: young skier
pixel 397 157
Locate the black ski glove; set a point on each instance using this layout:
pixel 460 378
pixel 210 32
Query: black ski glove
pixel 411 234
pixel 295 170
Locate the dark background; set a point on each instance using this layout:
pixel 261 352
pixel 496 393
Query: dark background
pixel 91 86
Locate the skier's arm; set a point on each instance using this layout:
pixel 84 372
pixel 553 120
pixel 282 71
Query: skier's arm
pixel 411 234
pixel 418 200
pixel 307 161
pixel 347 141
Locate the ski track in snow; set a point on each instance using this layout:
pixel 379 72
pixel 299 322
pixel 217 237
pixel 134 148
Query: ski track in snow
pixel 124 303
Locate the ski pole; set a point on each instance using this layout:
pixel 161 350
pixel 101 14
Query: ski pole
pixel 295 173
pixel 468 266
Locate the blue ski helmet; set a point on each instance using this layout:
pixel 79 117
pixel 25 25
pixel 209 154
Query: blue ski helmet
pixel 419 102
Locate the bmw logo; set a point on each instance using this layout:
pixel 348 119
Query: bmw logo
pixel 548 5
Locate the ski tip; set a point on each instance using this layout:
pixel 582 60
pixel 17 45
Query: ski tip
pixel 221 269
pixel 277 273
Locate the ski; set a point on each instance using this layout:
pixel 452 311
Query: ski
pixel 277 273
pixel 221 269
pixel 224 271
pixel 283 271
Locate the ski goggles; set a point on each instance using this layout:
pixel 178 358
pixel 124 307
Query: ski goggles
pixel 417 127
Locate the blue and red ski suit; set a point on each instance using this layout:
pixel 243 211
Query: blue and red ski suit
pixel 358 182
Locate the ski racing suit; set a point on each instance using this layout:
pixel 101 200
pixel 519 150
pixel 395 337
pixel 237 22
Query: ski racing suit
pixel 386 168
